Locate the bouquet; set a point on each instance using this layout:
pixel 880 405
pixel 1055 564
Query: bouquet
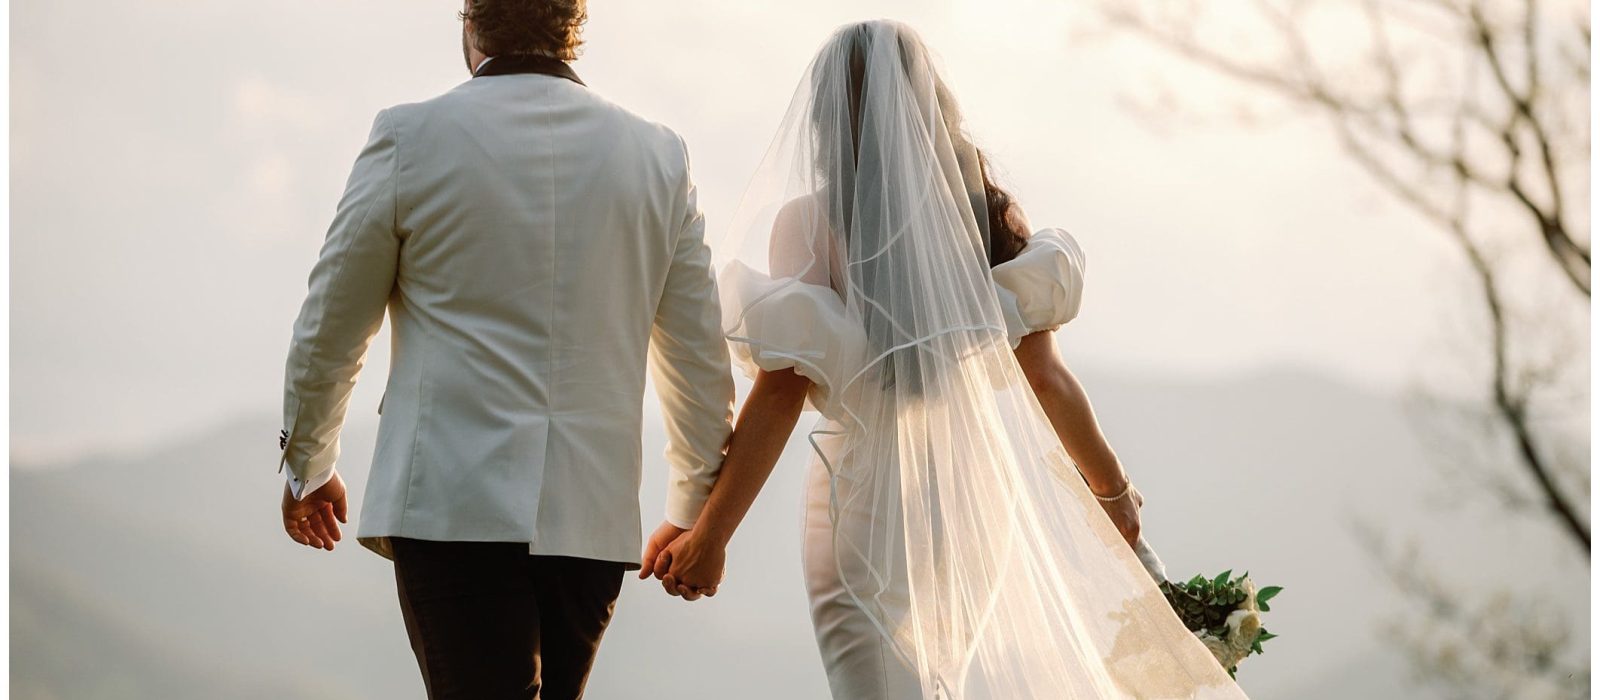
pixel 1224 611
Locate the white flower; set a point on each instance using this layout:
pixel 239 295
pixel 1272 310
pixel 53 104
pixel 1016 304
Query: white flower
pixel 1244 624
pixel 1243 627
pixel 1249 594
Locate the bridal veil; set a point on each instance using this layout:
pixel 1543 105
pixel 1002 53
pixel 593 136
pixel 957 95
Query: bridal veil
pixel 859 257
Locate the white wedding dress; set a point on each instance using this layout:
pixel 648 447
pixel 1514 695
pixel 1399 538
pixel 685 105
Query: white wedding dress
pixel 1040 290
pixel 951 549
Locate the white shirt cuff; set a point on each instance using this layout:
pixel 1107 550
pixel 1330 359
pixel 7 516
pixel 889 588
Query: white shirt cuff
pixel 301 488
pixel 682 524
pixel 684 507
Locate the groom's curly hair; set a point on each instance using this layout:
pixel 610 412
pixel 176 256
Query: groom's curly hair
pixel 511 27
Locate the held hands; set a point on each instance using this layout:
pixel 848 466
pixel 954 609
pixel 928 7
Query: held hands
pixel 687 563
pixel 314 522
pixel 692 567
pixel 656 546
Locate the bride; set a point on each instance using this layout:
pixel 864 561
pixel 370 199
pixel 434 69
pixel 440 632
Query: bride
pixel 967 529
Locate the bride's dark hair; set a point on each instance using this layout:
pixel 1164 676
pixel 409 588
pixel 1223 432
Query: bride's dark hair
pixel 1001 223
pixel 1007 232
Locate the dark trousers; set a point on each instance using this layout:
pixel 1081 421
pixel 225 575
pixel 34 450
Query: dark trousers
pixel 487 620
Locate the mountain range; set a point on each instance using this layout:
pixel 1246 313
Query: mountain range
pixel 162 573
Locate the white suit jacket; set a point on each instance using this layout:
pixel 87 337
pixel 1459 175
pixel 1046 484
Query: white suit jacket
pixel 535 247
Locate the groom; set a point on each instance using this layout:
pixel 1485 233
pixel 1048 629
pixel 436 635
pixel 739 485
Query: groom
pixel 533 245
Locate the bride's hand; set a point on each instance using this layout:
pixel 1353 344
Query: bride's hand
pixel 692 566
pixel 1124 513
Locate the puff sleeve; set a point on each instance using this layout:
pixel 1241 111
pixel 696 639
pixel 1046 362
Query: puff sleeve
pixel 777 324
pixel 1042 288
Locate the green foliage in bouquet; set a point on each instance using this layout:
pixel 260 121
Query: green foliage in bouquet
pixel 1224 612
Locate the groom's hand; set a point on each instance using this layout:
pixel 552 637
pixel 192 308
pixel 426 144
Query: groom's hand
pixel 314 521
pixel 656 547
pixel 653 549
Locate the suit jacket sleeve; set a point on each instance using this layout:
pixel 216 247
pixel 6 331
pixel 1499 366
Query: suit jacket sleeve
pixel 349 290
pixel 689 361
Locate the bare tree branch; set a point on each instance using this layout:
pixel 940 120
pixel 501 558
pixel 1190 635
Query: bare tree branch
pixel 1375 135
pixel 1573 258
pixel 1494 141
pixel 1483 649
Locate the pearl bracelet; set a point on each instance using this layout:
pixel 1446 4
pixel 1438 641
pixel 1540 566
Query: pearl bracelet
pixel 1120 494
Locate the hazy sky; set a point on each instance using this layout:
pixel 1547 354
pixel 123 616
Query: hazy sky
pixel 175 164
